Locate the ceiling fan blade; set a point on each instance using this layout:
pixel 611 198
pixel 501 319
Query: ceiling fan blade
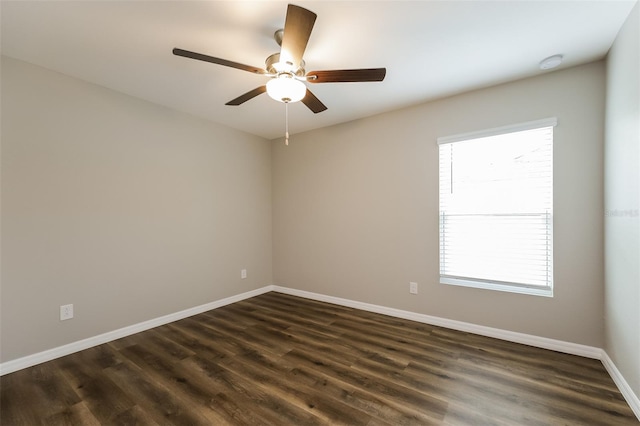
pixel 347 76
pixel 247 96
pixel 297 30
pixel 313 103
pixel 219 61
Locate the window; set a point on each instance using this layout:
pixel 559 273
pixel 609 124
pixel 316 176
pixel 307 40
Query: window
pixel 496 208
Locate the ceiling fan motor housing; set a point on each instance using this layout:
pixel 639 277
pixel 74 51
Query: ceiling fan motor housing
pixel 274 66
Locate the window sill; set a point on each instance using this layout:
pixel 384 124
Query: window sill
pixel 486 285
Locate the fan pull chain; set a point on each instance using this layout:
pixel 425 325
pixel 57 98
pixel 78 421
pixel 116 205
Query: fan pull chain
pixel 286 123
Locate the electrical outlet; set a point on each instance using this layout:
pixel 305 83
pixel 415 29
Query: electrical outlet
pixel 66 312
pixel 413 288
pixel 243 274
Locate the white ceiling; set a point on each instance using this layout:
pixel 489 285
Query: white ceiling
pixel 431 49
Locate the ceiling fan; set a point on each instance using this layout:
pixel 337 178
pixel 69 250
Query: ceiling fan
pixel 286 69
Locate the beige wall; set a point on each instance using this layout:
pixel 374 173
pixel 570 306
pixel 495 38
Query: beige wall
pixel 622 202
pixel 131 211
pixel 355 207
pixel 128 210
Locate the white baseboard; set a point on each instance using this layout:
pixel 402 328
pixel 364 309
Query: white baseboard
pixel 511 336
pixel 48 355
pixel 626 391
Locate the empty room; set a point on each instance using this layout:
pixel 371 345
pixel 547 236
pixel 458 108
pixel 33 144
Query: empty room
pixel 325 212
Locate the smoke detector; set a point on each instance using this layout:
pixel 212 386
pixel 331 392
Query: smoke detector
pixel 551 62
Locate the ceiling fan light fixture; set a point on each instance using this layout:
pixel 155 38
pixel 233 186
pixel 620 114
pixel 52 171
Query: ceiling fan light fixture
pixel 285 88
pixel 286 68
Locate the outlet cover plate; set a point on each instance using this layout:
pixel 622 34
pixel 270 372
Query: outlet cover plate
pixel 66 312
pixel 243 274
pixel 413 288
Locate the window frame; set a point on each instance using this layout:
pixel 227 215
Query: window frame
pixel 520 288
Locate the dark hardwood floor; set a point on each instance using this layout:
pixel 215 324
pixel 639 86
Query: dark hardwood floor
pixel 281 360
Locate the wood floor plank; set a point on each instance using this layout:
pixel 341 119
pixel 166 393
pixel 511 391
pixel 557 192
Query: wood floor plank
pixel 158 401
pixel 78 414
pixel 277 359
pixel 209 337
pixel 134 416
pixel 228 396
pixel 263 403
pixel 378 408
pixel 428 409
pixel 190 340
pixel 476 401
pixel 31 395
pixel 162 369
pixel 104 398
pixel 571 379
pixel 293 314
pixel 84 371
pixel 273 379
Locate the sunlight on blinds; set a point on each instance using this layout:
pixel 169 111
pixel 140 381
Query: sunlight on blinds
pixel 496 209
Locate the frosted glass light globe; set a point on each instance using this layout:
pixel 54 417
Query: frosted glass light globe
pixel 286 89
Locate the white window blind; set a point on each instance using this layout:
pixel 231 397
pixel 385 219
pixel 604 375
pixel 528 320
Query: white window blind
pixel 496 208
